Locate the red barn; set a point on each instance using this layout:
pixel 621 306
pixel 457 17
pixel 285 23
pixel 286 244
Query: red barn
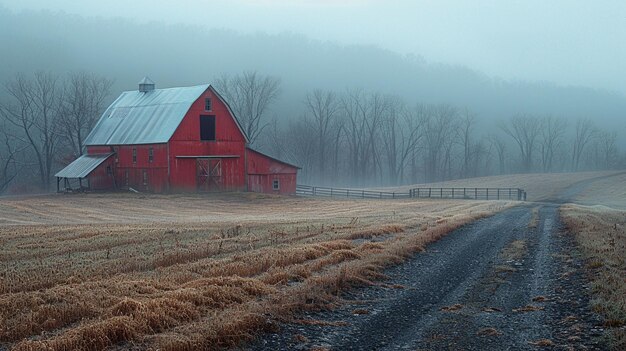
pixel 171 140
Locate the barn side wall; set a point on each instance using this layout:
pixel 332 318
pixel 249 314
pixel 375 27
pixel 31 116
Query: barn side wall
pixel 102 178
pixel 143 174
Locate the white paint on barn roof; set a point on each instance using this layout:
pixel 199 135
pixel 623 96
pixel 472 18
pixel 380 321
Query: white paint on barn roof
pixel 144 117
pixel 82 166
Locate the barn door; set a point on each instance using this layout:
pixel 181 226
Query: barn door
pixel 209 174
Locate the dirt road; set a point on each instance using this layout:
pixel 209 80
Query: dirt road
pixel 508 282
pixel 513 281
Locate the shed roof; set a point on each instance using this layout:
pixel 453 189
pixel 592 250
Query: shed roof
pixel 149 117
pixel 273 158
pixel 82 166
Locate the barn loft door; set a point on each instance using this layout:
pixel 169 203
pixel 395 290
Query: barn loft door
pixel 209 174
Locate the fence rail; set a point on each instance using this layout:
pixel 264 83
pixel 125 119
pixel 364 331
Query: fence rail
pixel 438 193
pixel 470 193
pixel 308 190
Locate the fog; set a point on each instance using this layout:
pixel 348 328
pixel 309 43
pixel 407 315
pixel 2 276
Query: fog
pixel 493 61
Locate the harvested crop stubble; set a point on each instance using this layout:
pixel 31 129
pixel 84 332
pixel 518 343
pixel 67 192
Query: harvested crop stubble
pixel 214 281
pixel 601 234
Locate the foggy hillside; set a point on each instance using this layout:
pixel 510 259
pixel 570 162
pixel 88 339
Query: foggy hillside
pixel 186 55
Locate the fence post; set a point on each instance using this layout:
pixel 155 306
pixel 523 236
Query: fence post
pixel 475 193
pixel 441 193
pixel 453 193
pixel 314 191
pixel 498 193
pixel 429 192
pixel 331 192
pixel 464 195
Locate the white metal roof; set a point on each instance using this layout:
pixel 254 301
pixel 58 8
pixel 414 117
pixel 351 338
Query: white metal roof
pixel 82 166
pixel 149 117
pixel 144 117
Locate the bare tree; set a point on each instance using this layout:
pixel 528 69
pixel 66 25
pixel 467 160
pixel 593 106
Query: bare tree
pixel 8 167
pixel 524 130
pixel 608 150
pixel 324 107
pixel 34 112
pixel 402 131
pixel 250 95
pixel 500 147
pixel 81 106
pixel 584 133
pixel 552 131
pixel 363 114
pixel 439 129
pixel 302 146
pixel 466 126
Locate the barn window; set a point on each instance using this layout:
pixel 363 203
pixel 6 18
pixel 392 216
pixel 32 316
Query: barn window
pixel 109 170
pixel 134 155
pixel 207 104
pixel 151 155
pixel 276 184
pixel 207 128
pixel 145 177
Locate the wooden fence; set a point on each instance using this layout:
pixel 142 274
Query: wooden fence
pixel 438 193
pixel 307 190
pixel 470 193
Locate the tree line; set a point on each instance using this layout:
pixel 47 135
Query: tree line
pixel 361 138
pixel 354 137
pixel 44 119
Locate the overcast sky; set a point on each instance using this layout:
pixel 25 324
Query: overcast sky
pixel 569 42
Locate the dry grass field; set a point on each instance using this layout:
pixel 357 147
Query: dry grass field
pixel 601 234
pixel 539 186
pixel 85 272
pixel 609 192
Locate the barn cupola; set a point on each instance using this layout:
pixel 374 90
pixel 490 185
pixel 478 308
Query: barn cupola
pixel 146 85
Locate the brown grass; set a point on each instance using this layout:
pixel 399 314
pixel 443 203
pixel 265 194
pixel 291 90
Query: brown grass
pixel 600 232
pixel 514 251
pixel 542 343
pixel 488 332
pixel 609 192
pixel 181 272
pixel 534 219
pixel 452 308
pixel 528 308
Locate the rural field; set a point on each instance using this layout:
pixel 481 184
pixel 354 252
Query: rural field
pixel 540 186
pixel 186 272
